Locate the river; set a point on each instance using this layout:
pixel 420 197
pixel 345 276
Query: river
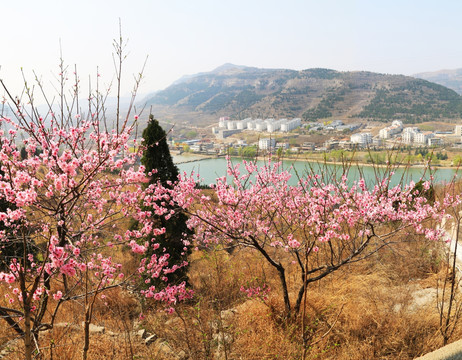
pixel 210 169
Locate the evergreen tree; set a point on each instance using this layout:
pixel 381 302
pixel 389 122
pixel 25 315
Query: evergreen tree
pixel 157 156
pixel 156 153
pixel 10 249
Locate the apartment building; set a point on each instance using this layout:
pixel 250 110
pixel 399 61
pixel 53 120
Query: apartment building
pixel 361 139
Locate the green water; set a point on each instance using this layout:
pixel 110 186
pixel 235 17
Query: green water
pixel 210 169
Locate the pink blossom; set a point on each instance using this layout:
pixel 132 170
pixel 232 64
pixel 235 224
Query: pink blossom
pixel 58 295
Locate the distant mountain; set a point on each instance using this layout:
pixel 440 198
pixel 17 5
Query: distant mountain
pixel 312 94
pixel 452 79
pixel 225 68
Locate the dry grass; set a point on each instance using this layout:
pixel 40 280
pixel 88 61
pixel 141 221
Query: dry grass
pixel 363 311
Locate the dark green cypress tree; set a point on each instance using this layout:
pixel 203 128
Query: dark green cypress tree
pixel 13 248
pixel 157 156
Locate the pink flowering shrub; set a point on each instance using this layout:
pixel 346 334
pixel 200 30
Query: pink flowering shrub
pixel 260 292
pixel 67 196
pixel 314 227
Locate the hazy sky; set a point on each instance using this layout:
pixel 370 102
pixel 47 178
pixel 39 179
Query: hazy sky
pixel 186 37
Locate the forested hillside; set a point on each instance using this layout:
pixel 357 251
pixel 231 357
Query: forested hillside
pixel 311 94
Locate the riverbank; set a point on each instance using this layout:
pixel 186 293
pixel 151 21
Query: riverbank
pixel 184 158
pixel 211 169
pixel 347 162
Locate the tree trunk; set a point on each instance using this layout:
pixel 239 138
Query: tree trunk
pixel 27 333
pixel 86 326
pixel 285 292
pixel 86 331
pixel 301 292
pixel 281 272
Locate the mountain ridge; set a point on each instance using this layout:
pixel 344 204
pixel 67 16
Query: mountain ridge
pixel 450 78
pixel 312 94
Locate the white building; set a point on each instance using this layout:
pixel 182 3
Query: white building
pixel 268 125
pixel 266 144
pixel 252 125
pixel 409 134
pixel 243 124
pixel 231 125
pixel 261 126
pixel 458 130
pixel 361 139
pixel 395 128
pixel 435 141
pixel 413 129
pixel 422 137
pixel 272 126
pixel 397 123
pixel 291 124
pixel 384 133
pixel 282 145
pixel 408 138
pixel 223 122
pixel 377 141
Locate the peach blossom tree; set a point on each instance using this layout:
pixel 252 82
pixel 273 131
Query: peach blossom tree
pixel 68 196
pixel 66 201
pixel 312 228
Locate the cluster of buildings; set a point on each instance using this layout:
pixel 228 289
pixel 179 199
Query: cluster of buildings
pixel 266 144
pixel 363 139
pixel 203 146
pixel 412 135
pixel 396 133
pixel 227 127
pixel 388 132
pixel 335 125
pixel 389 136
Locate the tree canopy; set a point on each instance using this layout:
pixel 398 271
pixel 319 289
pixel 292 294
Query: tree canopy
pixel 160 167
pixel 157 154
